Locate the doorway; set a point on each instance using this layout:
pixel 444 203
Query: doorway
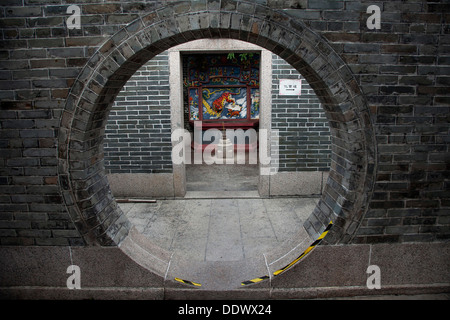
pixel 221 94
pixel 220 90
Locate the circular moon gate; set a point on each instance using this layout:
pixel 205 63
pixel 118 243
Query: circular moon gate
pixel 82 176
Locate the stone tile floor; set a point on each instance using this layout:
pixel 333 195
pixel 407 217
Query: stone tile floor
pixel 222 232
pixel 220 229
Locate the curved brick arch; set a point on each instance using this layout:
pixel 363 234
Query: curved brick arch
pixel 82 177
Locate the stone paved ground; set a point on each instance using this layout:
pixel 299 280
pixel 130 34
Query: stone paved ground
pixel 220 229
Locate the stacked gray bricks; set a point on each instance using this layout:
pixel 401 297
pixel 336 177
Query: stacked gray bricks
pixel 304 134
pixel 138 129
pixel 403 70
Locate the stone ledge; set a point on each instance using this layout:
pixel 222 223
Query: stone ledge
pixel 59 293
pixel 141 184
pixel 436 291
pixel 328 272
pixel 297 183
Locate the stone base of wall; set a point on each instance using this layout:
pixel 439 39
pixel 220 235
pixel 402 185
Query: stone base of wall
pixel 161 185
pixel 298 183
pixel 143 185
pixel 327 272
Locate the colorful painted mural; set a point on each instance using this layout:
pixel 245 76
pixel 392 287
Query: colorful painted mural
pixel 224 103
pixel 223 86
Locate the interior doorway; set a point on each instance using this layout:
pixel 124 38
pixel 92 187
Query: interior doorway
pixel 221 98
pixel 224 101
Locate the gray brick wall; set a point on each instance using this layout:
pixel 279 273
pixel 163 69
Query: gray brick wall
pixel 303 127
pixel 403 70
pixel 137 135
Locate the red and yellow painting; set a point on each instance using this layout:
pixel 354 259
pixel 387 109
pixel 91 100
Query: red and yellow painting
pixel 223 86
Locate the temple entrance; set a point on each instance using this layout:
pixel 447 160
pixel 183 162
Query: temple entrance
pixel 220 215
pixel 221 112
pixel 217 106
pixel 102 222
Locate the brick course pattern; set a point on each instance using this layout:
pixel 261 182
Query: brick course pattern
pixel 304 133
pixel 138 135
pixel 57 84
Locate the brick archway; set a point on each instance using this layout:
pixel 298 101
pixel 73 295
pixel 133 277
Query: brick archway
pixel 82 177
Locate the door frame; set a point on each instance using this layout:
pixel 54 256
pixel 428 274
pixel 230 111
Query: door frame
pixel 176 97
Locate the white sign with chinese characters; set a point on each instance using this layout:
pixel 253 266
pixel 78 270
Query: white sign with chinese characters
pixel 290 87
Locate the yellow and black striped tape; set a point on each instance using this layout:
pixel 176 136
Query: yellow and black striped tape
pixel 188 282
pixel 276 273
pixel 315 243
pixel 256 280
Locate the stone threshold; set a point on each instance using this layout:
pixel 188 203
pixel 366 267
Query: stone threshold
pixel 221 194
